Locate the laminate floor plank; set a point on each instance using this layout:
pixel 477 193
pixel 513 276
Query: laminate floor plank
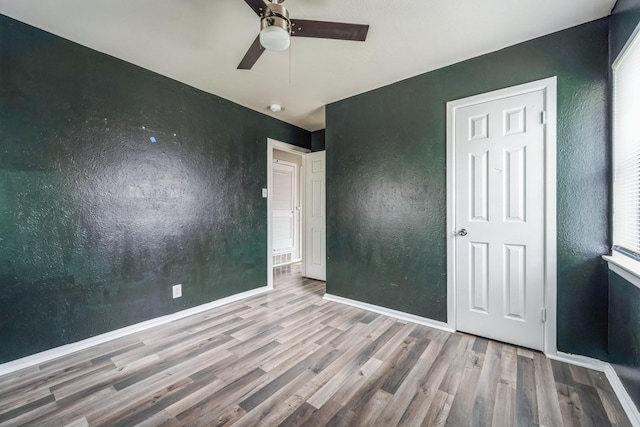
pixel 372 410
pixel 18 378
pixel 221 398
pixel 80 422
pixel 438 412
pixel 592 405
pixel 611 405
pixel 11 402
pixel 299 416
pixel 372 384
pixel 464 388
pixel 331 379
pixel 526 398
pixel 70 411
pixel 66 362
pixel 282 380
pixel 482 412
pixel 549 413
pixel 270 411
pixel 456 365
pixel 288 357
pixel 324 414
pixel 23 414
pixel 425 380
pixel 504 413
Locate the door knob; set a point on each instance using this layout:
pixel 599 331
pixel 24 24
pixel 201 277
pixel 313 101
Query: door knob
pixel 462 232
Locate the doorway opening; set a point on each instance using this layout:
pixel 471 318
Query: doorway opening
pixel 286 208
pixel 296 227
pixel 285 198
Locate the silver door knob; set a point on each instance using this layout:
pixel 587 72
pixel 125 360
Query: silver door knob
pixel 462 232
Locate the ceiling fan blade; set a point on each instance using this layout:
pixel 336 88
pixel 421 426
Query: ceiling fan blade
pixel 252 55
pixel 258 6
pixel 329 30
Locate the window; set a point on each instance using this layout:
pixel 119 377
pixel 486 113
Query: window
pixel 626 150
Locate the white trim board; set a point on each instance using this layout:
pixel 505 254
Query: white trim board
pixel 64 350
pixel 401 315
pixel 577 360
pixel 549 86
pixel 625 267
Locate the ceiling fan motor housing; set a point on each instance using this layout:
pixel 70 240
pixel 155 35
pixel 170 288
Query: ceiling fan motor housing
pixel 276 15
pixel 275 28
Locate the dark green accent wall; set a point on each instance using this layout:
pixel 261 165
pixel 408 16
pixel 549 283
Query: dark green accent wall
pixel 97 222
pixel 318 140
pixel 624 19
pixel 386 182
pixel 624 333
pixel 624 297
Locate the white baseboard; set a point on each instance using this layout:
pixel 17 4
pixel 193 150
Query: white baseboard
pixel 45 356
pixel 575 359
pixel 598 365
pixel 390 312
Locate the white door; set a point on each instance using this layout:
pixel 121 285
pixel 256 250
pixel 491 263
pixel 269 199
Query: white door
pixel 283 206
pixel 315 221
pixel 500 219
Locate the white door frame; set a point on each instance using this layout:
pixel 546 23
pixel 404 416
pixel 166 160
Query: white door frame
pixel 294 149
pixel 549 86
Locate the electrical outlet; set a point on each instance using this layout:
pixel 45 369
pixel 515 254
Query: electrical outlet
pixel 177 291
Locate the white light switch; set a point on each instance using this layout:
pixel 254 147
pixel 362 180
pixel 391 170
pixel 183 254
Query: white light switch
pixel 265 193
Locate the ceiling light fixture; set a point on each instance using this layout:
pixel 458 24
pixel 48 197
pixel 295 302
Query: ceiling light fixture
pixel 276 108
pixel 275 28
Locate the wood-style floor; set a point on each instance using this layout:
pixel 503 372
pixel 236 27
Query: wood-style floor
pixel 289 357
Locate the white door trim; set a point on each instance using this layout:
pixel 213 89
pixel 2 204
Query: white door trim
pixel 549 86
pixel 294 149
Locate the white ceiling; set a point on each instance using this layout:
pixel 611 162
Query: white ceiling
pixel 201 42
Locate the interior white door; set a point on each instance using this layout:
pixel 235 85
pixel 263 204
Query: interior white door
pixel 314 213
pixel 500 214
pixel 283 206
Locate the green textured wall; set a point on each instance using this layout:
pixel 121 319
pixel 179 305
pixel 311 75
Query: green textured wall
pixel 386 182
pixel 318 140
pixel 624 337
pixel 623 20
pixel 97 222
pixel 624 297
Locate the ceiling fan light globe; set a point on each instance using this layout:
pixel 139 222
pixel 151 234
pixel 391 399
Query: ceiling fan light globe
pixel 275 38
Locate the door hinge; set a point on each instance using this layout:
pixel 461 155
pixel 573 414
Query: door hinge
pixel 544 315
pixel 543 117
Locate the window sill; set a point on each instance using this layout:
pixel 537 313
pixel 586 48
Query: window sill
pixel 627 268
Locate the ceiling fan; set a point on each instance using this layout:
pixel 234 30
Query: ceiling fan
pixel 276 29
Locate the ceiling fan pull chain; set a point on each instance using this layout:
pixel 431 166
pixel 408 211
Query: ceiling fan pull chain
pixel 289 64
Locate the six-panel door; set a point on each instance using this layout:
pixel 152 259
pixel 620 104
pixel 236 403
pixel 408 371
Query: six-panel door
pixel 499 164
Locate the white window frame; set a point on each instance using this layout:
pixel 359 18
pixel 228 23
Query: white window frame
pixel 625 264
